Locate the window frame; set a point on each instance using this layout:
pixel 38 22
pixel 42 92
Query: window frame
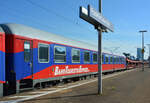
pixel 89 57
pixel 106 59
pixel 48 52
pixel 93 57
pixel 102 58
pixel 65 53
pixel 118 61
pixel 123 60
pixel 115 60
pixel 72 55
pixel 27 41
pixel 111 59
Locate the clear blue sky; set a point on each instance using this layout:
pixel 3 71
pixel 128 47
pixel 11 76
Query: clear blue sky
pixel 62 17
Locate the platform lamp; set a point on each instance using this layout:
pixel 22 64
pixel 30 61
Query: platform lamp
pixel 142 31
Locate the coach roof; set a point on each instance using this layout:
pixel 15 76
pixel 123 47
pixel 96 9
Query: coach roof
pixel 1 30
pixel 19 29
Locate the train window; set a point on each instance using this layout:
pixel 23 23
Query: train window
pixel 75 55
pixel 121 60
pixel 43 53
pixel 106 59
pixel 114 59
pixel 117 60
pixel 27 51
pixel 86 56
pixel 94 57
pixel 59 54
pixel 102 57
pixel 111 59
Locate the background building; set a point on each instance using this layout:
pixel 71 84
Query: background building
pixel 139 53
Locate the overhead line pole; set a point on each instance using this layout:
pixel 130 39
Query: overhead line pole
pixel 142 31
pixel 100 54
pixel 143 51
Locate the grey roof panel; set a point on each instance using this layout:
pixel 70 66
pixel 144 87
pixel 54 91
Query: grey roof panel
pixel 1 30
pixel 19 29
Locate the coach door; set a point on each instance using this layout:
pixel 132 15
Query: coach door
pixel 24 58
pixel 1 60
pixel 28 57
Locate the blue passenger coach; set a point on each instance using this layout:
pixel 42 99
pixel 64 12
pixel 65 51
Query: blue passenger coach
pixel 2 61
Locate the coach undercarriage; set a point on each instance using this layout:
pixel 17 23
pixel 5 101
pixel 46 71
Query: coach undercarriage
pixel 29 84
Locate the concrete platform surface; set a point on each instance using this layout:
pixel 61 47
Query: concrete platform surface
pixel 129 87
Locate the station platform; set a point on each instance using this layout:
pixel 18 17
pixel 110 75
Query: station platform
pixel 132 86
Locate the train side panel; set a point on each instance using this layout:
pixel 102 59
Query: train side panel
pixel 2 63
pixel 36 70
pixel 112 62
pixel 51 70
pixel 54 71
pixel 27 66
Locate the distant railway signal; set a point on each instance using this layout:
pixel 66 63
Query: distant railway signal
pixel 143 51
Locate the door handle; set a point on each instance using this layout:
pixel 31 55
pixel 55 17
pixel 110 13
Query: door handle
pixel 30 65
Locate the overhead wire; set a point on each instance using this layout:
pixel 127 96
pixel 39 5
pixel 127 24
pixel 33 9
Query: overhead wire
pixel 31 18
pixel 28 17
pixel 14 12
pixel 49 10
pixel 57 14
pixel 74 9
